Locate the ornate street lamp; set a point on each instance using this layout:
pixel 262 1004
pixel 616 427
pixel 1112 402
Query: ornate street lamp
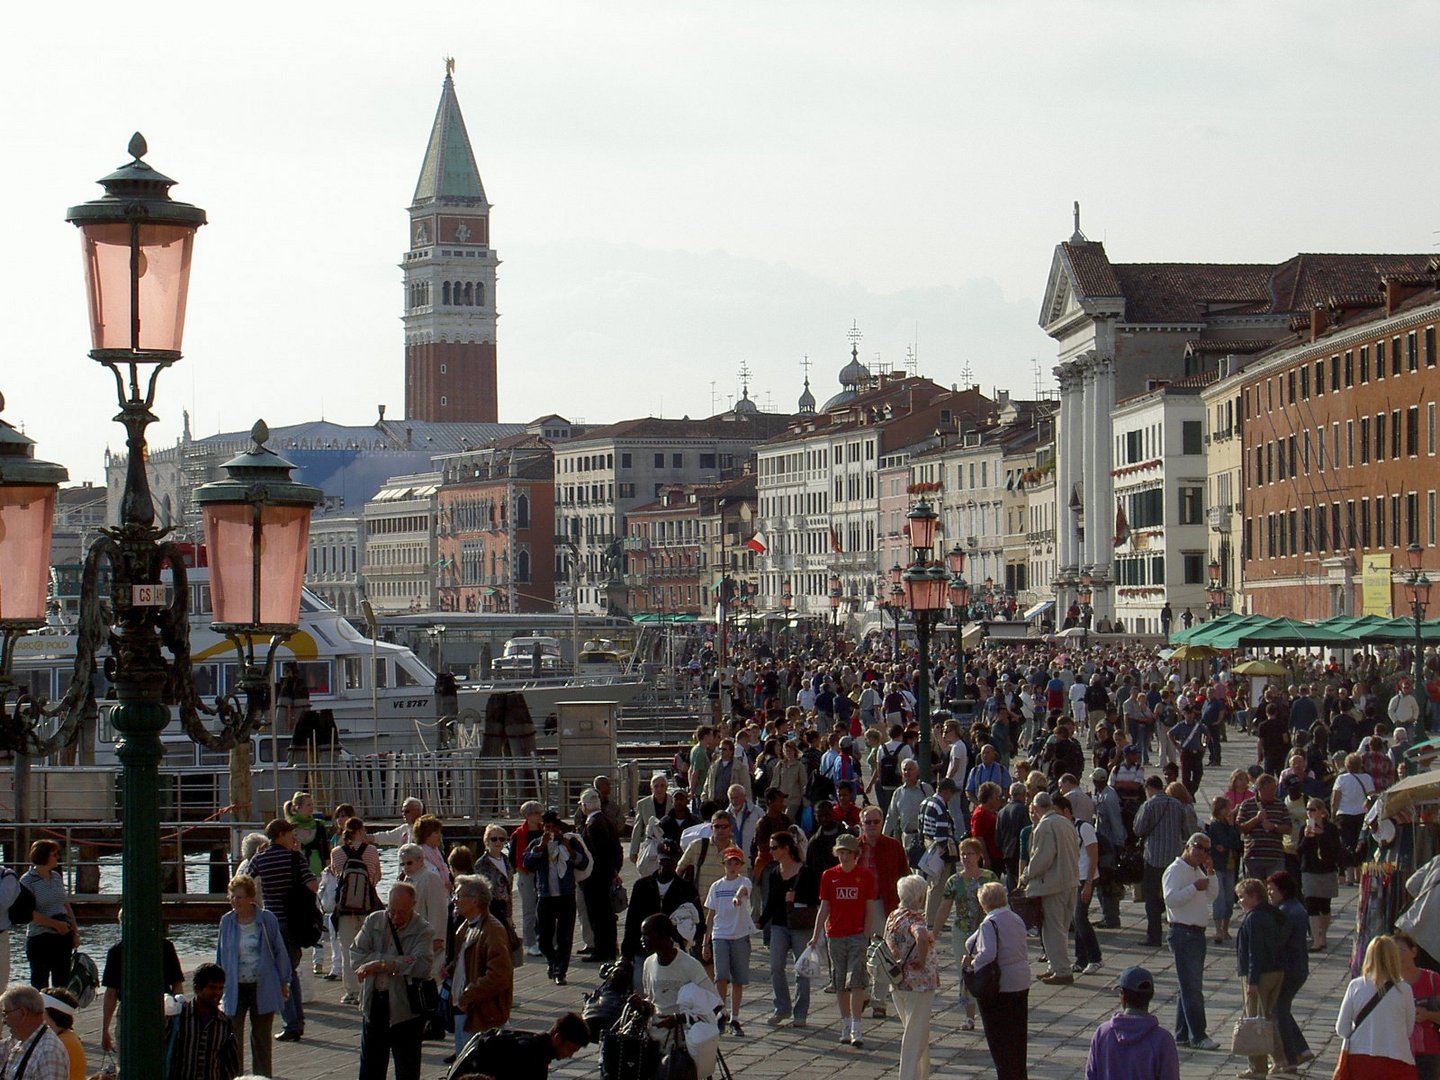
pixel 787 602
pixel 835 594
pixel 1419 588
pixel 137 244
pixel 925 588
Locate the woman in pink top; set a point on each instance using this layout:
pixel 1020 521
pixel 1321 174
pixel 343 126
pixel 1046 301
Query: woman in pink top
pixel 1425 1039
pixel 427 835
pixel 1239 789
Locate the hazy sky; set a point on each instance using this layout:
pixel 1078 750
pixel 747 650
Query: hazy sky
pixel 681 188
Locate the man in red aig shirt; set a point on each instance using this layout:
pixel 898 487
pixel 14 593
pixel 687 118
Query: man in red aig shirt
pixel 847 918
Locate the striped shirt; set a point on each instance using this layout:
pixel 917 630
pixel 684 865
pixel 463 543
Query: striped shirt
pixel 1261 844
pixel 936 823
pixel 1161 821
pixel 50 899
pixel 277 869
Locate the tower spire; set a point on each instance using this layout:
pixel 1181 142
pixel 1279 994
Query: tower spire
pixel 450 279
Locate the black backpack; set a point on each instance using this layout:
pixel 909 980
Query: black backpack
pixel 889 767
pixel 22 908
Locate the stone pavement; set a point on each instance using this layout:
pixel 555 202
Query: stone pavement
pixel 1062 1019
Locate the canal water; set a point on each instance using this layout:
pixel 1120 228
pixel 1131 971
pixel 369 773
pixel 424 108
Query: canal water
pixel 191 939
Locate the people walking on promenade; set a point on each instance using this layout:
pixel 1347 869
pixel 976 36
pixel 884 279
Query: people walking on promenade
pixel 1000 940
pixel 53 934
pixel 390 955
pixel 356 866
pixel 1188 886
pixel 285 877
pixel 1133 1044
pixel 251 950
pixel 908 937
pixel 846 922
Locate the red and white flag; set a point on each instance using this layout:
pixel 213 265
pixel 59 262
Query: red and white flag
pixel 757 544
pixel 835 541
pixel 1122 524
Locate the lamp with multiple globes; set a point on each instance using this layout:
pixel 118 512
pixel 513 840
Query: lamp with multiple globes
pixel 1418 586
pixel 925 584
pixel 137 244
pixel 835 595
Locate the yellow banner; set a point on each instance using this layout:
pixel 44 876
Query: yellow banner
pixel 1376 592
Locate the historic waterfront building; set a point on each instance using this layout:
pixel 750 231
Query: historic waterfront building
pixel 1339 450
pixel 1120 327
pixel 449 270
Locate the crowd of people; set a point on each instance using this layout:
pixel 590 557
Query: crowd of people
pixel 804 819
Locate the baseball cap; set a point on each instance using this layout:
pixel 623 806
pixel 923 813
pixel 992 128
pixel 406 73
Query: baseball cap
pixel 1130 748
pixel 551 817
pixel 1135 979
pixel 1099 774
pixel 846 842
pixel 734 853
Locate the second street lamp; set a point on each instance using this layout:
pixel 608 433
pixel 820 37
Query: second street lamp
pixel 1419 588
pixel 925 585
pixel 835 594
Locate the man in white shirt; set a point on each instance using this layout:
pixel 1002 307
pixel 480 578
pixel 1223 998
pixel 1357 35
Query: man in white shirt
pixel 957 770
pixel 1188 886
pixel 411 810
pixel 1088 958
pixel 1078 709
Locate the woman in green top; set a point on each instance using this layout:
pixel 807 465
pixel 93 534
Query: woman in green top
pixel 313 832
pixel 962 892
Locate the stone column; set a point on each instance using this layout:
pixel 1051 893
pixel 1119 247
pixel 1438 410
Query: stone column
pixel 1104 531
pixel 1094 508
pixel 1067 470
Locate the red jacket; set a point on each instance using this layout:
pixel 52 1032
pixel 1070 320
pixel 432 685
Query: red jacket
pixel 886 860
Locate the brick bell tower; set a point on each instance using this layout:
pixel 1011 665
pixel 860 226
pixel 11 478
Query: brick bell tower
pixel 450 280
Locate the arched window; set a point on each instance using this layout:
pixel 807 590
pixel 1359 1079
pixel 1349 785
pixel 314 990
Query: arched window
pixel 522 566
pixel 480 293
pixel 469 296
pixel 445 294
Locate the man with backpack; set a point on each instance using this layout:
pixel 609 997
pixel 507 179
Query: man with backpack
pixel 888 759
pixel 902 820
pixel 356 866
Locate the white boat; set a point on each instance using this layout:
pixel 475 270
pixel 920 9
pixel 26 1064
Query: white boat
pixel 381 694
pixel 521 655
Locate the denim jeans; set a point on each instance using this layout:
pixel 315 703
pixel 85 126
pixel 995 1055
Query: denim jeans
pixel 1291 1037
pixel 1087 945
pixel 1187 946
pixel 785 944
pixel 292 1009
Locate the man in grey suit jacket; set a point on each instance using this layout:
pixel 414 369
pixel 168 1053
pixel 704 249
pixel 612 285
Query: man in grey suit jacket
pixel 1053 874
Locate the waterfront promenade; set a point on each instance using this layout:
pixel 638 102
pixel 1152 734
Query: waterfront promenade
pixel 1062 1019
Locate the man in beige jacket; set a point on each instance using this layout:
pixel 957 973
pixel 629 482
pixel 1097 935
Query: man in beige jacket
pixel 1053 875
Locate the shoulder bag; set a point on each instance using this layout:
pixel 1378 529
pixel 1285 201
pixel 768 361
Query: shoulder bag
pixel 983 984
pixel 1344 1069
pixel 422 994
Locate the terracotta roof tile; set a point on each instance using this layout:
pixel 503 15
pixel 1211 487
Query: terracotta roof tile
pixel 1094 275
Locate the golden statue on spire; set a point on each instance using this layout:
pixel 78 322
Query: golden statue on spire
pixel 449 66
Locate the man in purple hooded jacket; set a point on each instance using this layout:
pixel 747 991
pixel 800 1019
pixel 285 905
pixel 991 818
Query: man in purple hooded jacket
pixel 1132 1045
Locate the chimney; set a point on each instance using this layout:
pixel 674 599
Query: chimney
pixel 1394 295
pixel 382 415
pixel 1317 322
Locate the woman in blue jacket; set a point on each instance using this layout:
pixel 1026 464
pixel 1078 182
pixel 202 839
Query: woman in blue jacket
pixel 257 970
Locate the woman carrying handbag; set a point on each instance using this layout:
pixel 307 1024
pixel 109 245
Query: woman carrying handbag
pixel 1376 1018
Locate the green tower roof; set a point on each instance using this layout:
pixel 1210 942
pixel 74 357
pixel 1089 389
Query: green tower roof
pixel 449 171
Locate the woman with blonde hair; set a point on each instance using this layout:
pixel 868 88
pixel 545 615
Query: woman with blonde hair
pixel 1377 1016
pixel 252 950
pixel 1238 789
pixel 962 892
pixel 911 942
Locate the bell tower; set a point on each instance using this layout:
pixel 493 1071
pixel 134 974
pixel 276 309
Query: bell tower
pixel 449 273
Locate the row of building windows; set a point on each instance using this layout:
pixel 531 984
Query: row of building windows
pixel 1399 355
pixel 1385 436
pixel 596 462
pixel 412 523
pixel 805 502
pixel 463 515
pixel 800 462
pixel 1386 521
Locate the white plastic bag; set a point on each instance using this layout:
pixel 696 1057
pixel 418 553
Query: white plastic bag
pixel 329 891
pixel 686 918
pixel 932 863
pixel 807 964
pixel 649 860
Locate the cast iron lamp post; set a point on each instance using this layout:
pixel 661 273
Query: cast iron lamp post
pixel 959 606
pixel 137 245
pixel 1418 586
pixel 1214 595
pixel 787 601
pixel 925 584
pixel 1083 598
pixel 835 594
